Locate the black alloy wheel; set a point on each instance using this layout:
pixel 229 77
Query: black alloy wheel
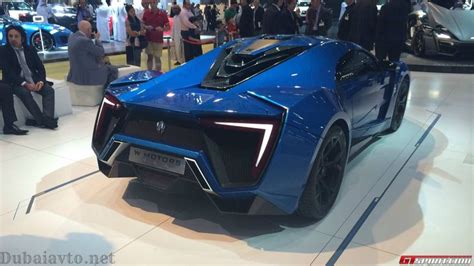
pixel 48 41
pixel 400 106
pixel 326 176
pixel 418 44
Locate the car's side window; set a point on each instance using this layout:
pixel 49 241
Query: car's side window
pixel 348 67
pixel 368 63
pixel 354 64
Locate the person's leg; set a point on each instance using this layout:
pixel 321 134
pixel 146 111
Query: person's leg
pixel 149 54
pixel 112 74
pixel 187 46
pixel 47 93
pixel 180 50
pixel 6 104
pixel 158 53
pixel 395 52
pixel 30 104
pixel 380 51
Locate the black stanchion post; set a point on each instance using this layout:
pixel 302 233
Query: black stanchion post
pixel 169 53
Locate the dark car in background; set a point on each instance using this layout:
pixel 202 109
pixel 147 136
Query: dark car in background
pixel 18 10
pixel 54 36
pixel 436 30
pixel 64 16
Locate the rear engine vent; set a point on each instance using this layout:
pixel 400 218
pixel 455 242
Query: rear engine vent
pixel 232 68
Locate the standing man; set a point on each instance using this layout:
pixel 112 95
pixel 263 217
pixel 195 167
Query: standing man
pixel 289 18
pixel 43 10
pixel 156 22
pixel 345 21
pixel 391 30
pixel 102 21
pixel 246 20
pixel 257 16
pixel 26 74
pixel 271 17
pixel 363 24
pixel 186 29
pixel 83 12
pixel 318 19
pixel 176 36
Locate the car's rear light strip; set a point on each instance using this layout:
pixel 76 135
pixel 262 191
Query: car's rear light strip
pixel 267 128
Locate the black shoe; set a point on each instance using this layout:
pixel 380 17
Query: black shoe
pixel 13 130
pixel 33 123
pixel 177 64
pixel 50 123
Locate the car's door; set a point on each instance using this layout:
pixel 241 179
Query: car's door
pixel 360 82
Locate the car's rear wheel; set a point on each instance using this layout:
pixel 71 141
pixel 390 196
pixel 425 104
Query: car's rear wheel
pixel 418 44
pixel 400 106
pixel 48 41
pixel 326 176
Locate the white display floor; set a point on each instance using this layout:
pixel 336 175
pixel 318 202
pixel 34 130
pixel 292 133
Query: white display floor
pixel 427 210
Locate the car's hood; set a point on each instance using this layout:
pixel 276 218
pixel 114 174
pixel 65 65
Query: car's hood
pixel 459 22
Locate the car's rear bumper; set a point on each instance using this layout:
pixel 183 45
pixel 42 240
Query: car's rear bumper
pixel 114 161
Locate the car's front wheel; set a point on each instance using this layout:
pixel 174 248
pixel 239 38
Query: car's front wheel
pixel 418 44
pixel 326 176
pixel 48 41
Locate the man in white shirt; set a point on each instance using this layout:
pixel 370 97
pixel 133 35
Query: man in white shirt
pixel 186 27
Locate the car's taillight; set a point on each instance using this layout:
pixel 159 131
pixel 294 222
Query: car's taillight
pixel 108 114
pixel 261 133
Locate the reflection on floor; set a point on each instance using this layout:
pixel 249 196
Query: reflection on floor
pixel 426 211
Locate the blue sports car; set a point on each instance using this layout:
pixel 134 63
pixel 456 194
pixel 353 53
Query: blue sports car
pixel 54 36
pixel 263 125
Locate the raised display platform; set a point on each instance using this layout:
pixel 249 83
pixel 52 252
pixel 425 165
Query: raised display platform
pixel 440 64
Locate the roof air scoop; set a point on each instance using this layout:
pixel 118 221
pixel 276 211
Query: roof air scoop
pixel 247 59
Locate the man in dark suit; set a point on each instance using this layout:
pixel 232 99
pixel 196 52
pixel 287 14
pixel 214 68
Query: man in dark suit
pixel 318 19
pixel 289 19
pixel 391 30
pixel 346 21
pixel 25 72
pixel 6 103
pixel 363 24
pixel 246 26
pixel 271 17
pixel 86 59
pixel 257 16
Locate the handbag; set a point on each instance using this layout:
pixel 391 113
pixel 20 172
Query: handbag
pixel 133 55
pixel 143 42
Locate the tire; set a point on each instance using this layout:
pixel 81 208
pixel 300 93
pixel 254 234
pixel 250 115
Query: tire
pixel 418 44
pixel 48 41
pixel 400 107
pixel 326 176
